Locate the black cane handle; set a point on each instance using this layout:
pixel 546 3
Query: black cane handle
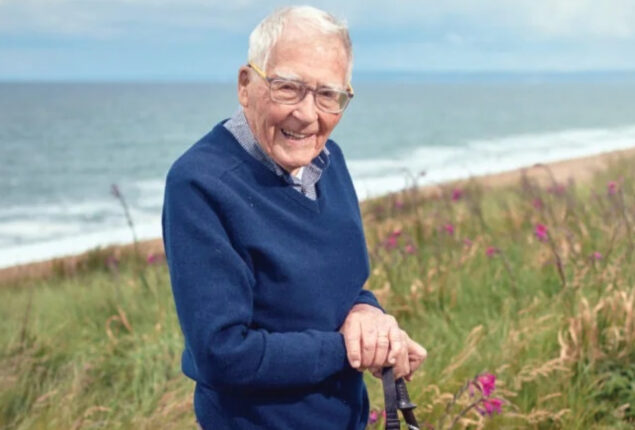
pixel 396 397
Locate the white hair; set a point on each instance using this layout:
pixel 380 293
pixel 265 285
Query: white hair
pixel 264 37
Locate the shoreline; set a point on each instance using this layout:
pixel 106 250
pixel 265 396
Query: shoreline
pixel 580 169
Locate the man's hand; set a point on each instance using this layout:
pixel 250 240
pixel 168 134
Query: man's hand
pixel 409 361
pixel 373 339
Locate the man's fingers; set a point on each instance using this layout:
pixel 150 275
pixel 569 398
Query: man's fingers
pixel 369 345
pixel 376 371
pixel 417 354
pixel 382 348
pixel 352 338
pixel 396 344
pixel 416 350
pixel 402 367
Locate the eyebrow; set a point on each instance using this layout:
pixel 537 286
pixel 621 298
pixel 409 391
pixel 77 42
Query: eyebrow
pixel 293 77
pixel 289 76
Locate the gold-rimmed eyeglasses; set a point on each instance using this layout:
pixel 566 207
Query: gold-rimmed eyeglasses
pixel 290 92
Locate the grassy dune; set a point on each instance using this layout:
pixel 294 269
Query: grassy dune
pixel 532 282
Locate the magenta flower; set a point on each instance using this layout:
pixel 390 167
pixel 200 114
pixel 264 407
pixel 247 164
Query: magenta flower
pixel 410 249
pixel 537 203
pixel 391 242
pixel 373 417
pixel 597 256
pixel 152 258
pixel 449 228
pixel 557 189
pixel 467 242
pixel 457 193
pixel 491 251
pixel 490 406
pixel 541 232
pixel 612 188
pixel 486 383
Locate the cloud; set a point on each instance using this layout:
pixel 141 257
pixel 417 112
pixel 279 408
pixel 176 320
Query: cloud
pixel 120 18
pixel 570 18
pixel 102 18
pixel 401 34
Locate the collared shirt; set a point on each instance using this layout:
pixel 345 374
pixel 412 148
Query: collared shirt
pixel 308 176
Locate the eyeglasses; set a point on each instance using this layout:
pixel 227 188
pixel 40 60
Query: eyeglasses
pixel 290 92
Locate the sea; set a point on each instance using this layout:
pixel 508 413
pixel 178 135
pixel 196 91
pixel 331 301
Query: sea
pixel 63 145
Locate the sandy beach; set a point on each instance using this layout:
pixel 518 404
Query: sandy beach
pixel 579 169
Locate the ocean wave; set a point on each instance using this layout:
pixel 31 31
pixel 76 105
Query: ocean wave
pixel 43 231
pixel 485 156
pixel 77 243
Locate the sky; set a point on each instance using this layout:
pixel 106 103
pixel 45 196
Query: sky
pixel 206 40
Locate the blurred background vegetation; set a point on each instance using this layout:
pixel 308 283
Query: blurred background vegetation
pixel 533 283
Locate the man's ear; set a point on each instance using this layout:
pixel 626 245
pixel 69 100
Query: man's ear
pixel 244 78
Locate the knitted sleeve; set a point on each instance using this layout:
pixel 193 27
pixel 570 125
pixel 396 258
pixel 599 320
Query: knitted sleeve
pixel 367 297
pixel 213 292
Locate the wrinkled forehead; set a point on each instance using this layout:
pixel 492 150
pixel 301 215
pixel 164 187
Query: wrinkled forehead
pixel 312 51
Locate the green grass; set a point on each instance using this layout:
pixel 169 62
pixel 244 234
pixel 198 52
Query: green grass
pixel 99 347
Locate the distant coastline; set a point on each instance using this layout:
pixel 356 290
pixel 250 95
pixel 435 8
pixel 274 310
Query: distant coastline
pixel 65 145
pixel 579 169
pixel 371 76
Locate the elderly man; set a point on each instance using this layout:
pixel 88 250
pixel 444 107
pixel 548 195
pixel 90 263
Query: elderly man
pixel 266 250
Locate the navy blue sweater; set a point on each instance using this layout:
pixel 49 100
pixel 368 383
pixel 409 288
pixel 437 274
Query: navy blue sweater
pixel 263 278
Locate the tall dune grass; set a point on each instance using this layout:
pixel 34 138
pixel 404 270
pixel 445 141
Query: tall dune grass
pixel 533 283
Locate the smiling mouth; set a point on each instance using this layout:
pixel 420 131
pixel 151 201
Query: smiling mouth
pixel 293 135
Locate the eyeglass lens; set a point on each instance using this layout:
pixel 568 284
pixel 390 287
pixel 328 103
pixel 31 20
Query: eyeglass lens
pixel 291 92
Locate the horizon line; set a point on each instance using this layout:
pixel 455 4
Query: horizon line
pixel 360 76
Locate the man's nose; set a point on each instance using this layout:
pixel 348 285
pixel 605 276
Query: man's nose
pixel 306 110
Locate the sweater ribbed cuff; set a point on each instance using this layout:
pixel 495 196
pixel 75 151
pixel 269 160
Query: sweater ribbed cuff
pixel 368 298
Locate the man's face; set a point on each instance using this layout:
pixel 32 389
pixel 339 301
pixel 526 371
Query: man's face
pixel 292 135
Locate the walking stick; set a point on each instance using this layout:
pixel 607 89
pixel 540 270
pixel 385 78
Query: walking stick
pixel 396 397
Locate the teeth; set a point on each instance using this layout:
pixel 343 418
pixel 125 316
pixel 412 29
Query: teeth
pixel 294 135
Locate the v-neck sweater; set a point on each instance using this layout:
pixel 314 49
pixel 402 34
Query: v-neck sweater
pixel 263 277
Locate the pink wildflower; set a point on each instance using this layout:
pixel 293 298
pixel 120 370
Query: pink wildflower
pixel 410 249
pixel 557 189
pixel 391 242
pixel 537 203
pixel 491 251
pixel 541 232
pixel 398 204
pixel 467 242
pixel 596 256
pixel 152 258
pixel 449 228
pixel 490 406
pixel 373 417
pixel 486 383
pixel 612 188
pixel 457 193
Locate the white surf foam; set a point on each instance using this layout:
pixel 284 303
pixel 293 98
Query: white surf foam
pixel 75 244
pixel 41 232
pixel 484 156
